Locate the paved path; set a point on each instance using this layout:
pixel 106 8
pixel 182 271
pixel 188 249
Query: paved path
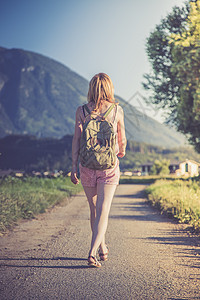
pixel 150 256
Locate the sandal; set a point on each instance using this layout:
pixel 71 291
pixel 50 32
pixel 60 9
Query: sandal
pixel 93 262
pixel 104 256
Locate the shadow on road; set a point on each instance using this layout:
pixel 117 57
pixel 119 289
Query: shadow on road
pixel 50 260
pixel 136 208
pixel 171 238
pixel 184 298
pixel 138 211
pixel 138 195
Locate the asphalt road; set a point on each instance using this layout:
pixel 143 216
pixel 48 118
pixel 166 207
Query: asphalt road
pixel 151 257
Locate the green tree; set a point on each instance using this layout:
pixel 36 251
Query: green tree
pixel 160 167
pixel 186 67
pixel 173 49
pixel 162 84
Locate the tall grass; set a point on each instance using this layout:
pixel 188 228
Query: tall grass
pixel 29 196
pixel 178 198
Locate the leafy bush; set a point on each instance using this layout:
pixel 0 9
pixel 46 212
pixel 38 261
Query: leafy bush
pixel 178 198
pixel 160 167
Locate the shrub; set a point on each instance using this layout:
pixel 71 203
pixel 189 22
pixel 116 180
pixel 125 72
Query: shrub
pixel 178 198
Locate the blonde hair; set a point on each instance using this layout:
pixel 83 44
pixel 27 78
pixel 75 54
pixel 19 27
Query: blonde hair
pixel 100 89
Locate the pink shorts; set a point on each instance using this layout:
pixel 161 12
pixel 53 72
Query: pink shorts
pixel 90 177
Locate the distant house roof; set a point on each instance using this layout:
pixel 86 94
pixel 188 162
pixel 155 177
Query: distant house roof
pixel 174 163
pixel 147 164
pixel 190 160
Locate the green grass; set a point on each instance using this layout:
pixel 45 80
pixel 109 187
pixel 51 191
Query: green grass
pixel 23 198
pixel 145 179
pixel 136 180
pixel 179 198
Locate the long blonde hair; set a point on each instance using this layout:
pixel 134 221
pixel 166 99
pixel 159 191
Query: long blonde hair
pixel 100 89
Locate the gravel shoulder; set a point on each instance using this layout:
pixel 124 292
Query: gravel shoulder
pixel 151 257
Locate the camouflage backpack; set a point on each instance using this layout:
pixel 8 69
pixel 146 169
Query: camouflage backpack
pixel 97 146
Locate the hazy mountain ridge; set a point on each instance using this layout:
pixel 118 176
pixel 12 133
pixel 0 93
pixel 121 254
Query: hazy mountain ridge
pixel 39 96
pixel 142 128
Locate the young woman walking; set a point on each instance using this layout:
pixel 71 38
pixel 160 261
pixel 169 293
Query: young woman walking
pixel 99 185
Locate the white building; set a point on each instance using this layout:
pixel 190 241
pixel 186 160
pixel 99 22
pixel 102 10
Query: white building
pixel 186 168
pixel 189 168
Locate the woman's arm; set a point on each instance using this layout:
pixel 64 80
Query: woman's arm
pixel 76 146
pixel 121 132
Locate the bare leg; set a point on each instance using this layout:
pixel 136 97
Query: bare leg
pixel 105 193
pixel 91 194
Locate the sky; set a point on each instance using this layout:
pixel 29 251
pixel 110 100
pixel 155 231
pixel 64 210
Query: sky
pixel 89 36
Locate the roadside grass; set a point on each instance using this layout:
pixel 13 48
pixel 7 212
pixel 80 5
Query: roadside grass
pixel 178 198
pixel 24 198
pixel 145 179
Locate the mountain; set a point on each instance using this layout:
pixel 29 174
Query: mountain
pixel 141 128
pixel 39 96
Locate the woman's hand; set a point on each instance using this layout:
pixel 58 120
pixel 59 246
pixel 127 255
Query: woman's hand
pixel 74 177
pixel 121 154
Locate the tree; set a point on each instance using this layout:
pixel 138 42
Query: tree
pixel 162 84
pixel 160 167
pixel 173 47
pixel 186 67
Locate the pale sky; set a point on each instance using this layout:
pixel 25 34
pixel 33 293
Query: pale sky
pixel 89 36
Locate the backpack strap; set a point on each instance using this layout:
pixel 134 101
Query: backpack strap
pixel 108 111
pixel 85 108
pixel 115 113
